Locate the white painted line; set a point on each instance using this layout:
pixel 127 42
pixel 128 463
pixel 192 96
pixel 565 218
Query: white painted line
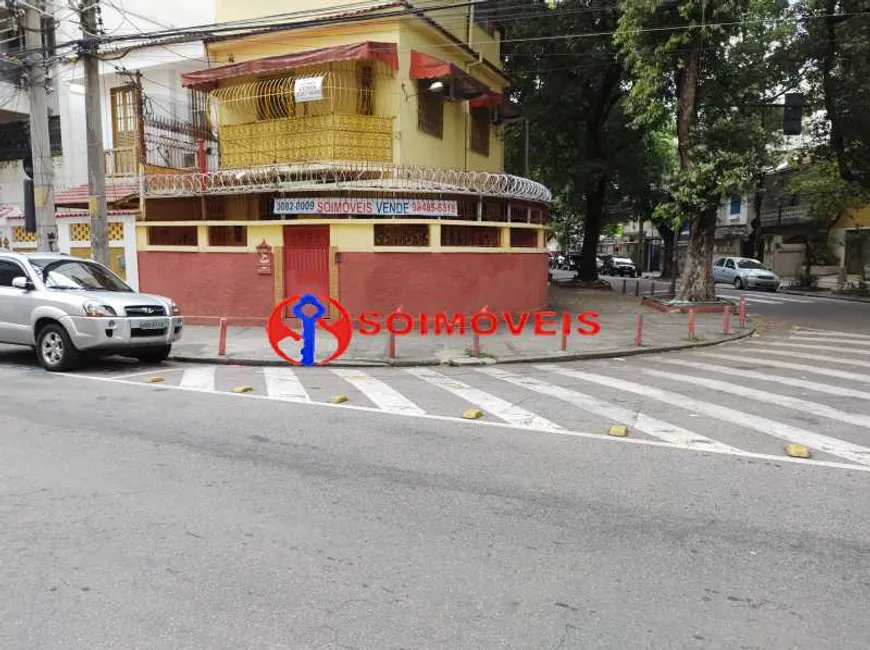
pixel 752 300
pixel 282 383
pixel 199 378
pixel 834 334
pixel 771 363
pixel 800 346
pixel 775 297
pixel 148 373
pixel 839 391
pixel 834 446
pixel 378 392
pixel 487 403
pixel 845 344
pixel 634 420
pixel 806 462
pixel 800 405
pixel 812 357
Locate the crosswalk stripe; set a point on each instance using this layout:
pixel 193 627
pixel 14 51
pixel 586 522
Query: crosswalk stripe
pixel 199 378
pixel 384 396
pixel 834 334
pixel 845 344
pixel 772 363
pixel 774 297
pixel 282 383
pixel 643 423
pixel 777 399
pixel 773 379
pixel 834 446
pixel 488 403
pixel 801 346
pixel 812 357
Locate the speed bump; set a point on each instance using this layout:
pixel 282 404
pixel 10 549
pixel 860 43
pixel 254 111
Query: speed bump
pixel 338 399
pixel 243 389
pixel 473 414
pixel 797 451
pixel 618 431
pixel 154 380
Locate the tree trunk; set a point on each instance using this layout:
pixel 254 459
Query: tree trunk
pixel 697 277
pixel 667 234
pixel 588 271
pixel 829 65
pixel 756 244
pixel 687 101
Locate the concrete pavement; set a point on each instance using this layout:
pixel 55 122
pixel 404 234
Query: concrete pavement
pixel 616 314
pixel 141 516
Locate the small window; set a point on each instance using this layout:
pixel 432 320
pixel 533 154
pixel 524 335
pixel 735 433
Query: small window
pixel 480 129
pixel 401 235
pixel 524 238
pixel 430 111
pixel 729 264
pixel 227 236
pixel 736 204
pixel 470 236
pixel 720 262
pixel 9 271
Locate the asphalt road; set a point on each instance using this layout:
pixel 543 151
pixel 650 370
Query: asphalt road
pixel 184 515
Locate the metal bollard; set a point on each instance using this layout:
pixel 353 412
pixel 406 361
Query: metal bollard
pixel 222 337
pixel 742 313
pixel 726 320
pixel 637 287
pixel 564 346
pixel 692 324
pixel 391 345
pixel 638 331
pixel 623 285
pixel 652 289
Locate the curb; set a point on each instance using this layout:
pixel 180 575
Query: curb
pixel 414 363
pixel 830 296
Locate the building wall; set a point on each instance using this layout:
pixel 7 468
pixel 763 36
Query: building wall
pixel 209 285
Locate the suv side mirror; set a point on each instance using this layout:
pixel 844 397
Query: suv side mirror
pixel 22 283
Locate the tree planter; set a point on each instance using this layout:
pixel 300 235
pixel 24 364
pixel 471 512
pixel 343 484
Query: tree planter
pixel 669 305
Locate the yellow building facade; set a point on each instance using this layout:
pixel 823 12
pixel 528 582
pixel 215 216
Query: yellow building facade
pixel 364 152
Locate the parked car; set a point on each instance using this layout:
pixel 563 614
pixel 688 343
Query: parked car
pixel 619 266
pixel 744 272
pixel 67 307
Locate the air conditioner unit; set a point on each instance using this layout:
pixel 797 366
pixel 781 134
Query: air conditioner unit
pixel 188 161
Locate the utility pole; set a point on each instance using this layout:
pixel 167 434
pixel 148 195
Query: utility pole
pixel 526 150
pixel 40 143
pixel 93 116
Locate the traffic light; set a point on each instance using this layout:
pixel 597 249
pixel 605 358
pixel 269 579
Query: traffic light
pixel 794 114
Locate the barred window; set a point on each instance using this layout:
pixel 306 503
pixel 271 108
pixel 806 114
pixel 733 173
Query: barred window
pixel 366 91
pixel 401 235
pixel 430 111
pixel 276 102
pixel 480 129
pixel 474 236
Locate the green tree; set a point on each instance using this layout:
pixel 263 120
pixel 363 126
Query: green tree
pixel 572 90
pixel 712 68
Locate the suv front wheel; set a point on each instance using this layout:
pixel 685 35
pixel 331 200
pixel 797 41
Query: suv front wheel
pixel 55 350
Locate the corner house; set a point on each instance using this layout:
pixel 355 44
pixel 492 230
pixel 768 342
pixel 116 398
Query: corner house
pixel 367 171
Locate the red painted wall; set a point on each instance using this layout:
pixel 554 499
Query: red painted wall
pixel 452 282
pixel 209 286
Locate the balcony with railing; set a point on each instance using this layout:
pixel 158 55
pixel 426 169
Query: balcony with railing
pixel 335 104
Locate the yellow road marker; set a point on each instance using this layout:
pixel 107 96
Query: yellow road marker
pixel 618 431
pixel 338 399
pixel 243 389
pixel 154 380
pixel 473 414
pixel 797 451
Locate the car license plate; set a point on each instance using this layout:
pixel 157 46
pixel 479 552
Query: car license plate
pixel 151 325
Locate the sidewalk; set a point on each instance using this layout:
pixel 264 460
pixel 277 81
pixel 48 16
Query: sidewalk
pixel 826 287
pixel 617 316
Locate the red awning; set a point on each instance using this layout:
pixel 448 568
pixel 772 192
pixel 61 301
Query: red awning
pixel 464 86
pixel 507 110
pixel 369 50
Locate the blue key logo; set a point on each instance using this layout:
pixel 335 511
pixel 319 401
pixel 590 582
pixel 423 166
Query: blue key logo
pixel 311 313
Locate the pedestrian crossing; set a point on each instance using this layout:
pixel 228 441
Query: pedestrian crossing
pixel 764 298
pixel 749 398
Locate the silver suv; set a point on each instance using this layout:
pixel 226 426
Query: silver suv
pixel 67 307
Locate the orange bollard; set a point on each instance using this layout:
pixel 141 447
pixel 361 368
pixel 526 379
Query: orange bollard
pixel 638 331
pixel 222 337
pixel 726 320
pixel 391 347
pixel 742 313
pixel 692 324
